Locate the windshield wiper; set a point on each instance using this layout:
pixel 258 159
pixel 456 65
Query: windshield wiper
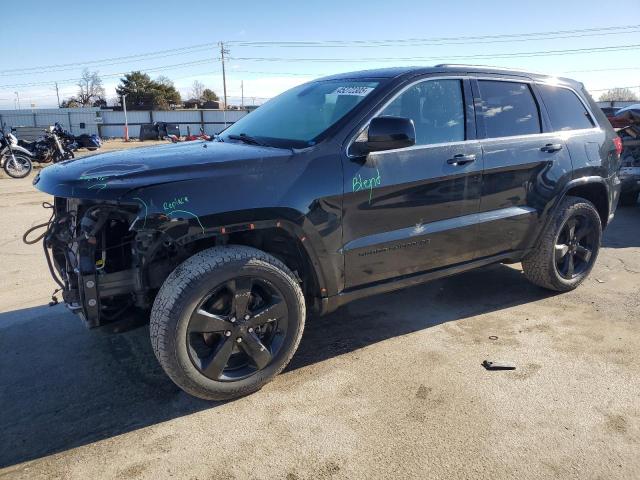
pixel 243 137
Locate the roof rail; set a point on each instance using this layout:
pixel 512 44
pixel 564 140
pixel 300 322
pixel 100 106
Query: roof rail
pixel 443 65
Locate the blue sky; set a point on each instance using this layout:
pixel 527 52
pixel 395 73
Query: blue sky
pixel 38 34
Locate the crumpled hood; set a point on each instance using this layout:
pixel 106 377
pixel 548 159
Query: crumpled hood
pixel 108 176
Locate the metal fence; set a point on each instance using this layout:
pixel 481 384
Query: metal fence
pixel 109 123
pixel 76 120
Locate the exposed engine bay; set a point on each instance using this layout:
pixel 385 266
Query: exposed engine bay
pixel 103 267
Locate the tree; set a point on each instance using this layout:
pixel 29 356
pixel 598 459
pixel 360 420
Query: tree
pixel 164 80
pixel 209 95
pixel 71 102
pixel 196 90
pixel 90 89
pixel 618 94
pixel 145 94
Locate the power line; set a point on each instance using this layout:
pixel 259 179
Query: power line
pixel 616 29
pixel 422 43
pixel 110 75
pixel 573 51
pixel 610 30
pixel 70 81
pixel 164 53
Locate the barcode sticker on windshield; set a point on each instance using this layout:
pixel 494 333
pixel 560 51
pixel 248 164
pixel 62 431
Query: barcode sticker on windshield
pixel 358 91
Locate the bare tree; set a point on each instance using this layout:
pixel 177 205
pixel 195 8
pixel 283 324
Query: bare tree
pixel 618 94
pixel 197 88
pixel 90 89
pixel 164 80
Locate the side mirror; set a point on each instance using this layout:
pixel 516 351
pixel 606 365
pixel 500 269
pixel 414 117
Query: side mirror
pixel 389 133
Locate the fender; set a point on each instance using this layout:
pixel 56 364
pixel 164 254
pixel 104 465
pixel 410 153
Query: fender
pixel 16 149
pixel 549 212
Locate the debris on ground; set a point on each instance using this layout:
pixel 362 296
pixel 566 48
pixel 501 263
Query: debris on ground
pixel 491 365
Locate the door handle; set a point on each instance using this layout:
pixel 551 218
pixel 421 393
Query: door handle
pixel 552 147
pixel 461 159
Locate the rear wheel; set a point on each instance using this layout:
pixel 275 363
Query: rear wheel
pixel 226 321
pixel 568 248
pixel 17 166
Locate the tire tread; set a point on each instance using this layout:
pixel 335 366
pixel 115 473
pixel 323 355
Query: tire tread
pixel 170 299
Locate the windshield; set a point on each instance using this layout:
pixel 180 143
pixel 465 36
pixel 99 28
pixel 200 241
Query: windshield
pixel 298 116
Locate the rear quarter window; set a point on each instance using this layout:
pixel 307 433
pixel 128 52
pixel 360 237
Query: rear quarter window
pixel 565 109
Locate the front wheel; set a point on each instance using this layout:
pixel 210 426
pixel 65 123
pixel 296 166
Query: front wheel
pixel 568 248
pixel 17 166
pixel 226 321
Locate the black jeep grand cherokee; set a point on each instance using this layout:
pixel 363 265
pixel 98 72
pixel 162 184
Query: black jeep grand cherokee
pixel 346 186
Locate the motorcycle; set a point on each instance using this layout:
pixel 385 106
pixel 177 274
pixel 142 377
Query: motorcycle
pixel 15 160
pixel 90 142
pixel 54 146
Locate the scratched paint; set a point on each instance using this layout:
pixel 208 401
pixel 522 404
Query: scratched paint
pixel 359 183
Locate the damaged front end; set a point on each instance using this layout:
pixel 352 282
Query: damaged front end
pixel 101 262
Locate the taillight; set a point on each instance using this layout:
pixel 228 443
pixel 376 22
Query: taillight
pixel 618 144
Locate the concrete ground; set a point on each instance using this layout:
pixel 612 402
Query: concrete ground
pixel 387 387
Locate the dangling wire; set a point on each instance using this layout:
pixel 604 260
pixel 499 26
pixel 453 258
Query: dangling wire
pixel 41 225
pixel 50 224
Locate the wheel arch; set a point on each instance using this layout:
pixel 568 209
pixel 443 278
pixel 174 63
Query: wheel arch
pixel 283 239
pixel 595 190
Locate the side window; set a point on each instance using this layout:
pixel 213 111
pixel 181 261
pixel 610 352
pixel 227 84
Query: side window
pixel 509 109
pixel 566 111
pixel 436 108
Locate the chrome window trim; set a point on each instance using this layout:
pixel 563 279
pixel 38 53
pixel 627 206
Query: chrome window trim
pixel 472 141
pixel 543 134
pixel 460 77
pixel 531 81
pixel 584 104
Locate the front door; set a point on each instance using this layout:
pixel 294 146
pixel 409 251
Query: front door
pixel 410 210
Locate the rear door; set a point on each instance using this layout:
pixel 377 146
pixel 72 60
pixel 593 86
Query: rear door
pixel 405 209
pixel 586 143
pixel 523 161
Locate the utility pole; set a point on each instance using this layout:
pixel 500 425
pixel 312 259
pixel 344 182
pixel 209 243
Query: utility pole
pixel 126 124
pixel 224 77
pixel 242 93
pixel 58 94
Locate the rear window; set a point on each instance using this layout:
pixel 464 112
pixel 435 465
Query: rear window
pixel 566 111
pixel 508 109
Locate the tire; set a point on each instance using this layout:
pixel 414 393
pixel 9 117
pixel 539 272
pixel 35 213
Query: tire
pixel 24 166
pixel 628 199
pixel 561 263
pixel 212 281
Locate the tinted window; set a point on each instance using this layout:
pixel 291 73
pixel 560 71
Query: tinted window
pixel 301 114
pixel 566 111
pixel 508 109
pixel 436 108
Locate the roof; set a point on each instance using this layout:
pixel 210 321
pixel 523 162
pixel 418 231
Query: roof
pixel 395 72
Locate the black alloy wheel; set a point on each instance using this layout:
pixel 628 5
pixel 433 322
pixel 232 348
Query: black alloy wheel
pixel 568 247
pixel 575 246
pixel 226 321
pixel 237 329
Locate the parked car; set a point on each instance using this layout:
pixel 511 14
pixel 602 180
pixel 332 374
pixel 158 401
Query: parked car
pixel 610 112
pixel 337 189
